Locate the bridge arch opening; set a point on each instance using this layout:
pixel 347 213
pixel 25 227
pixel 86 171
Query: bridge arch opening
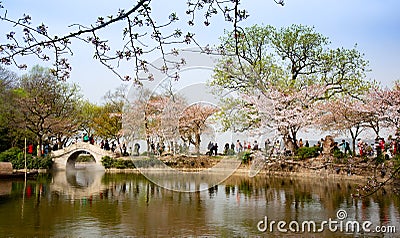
pixel 83 159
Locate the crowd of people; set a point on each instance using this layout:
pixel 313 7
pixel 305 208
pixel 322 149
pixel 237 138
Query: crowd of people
pixel 388 148
pixel 379 147
pixel 104 144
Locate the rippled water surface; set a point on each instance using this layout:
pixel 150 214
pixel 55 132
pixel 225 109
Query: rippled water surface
pixel 93 204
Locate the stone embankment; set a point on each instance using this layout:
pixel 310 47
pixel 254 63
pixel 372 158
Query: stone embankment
pixel 323 166
pixel 353 168
pixel 6 168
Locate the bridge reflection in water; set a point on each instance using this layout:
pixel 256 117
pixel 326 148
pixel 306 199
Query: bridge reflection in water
pixel 77 184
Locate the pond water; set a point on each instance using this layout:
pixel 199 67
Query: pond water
pixel 93 204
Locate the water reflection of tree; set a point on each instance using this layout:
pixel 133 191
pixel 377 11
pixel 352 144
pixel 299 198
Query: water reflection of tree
pixel 149 209
pixel 384 204
pixel 299 192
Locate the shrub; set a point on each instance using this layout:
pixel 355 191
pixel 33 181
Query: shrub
pixel 109 162
pixel 338 154
pixel 85 158
pixel 119 164
pixel 307 152
pixel 230 152
pixel 43 162
pixel 10 155
pixel 129 164
pixel 16 157
pixel 396 159
pixel 379 159
pixel 246 156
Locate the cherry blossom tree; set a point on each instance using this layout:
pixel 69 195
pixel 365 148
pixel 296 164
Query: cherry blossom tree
pixel 382 107
pixel 134 114
pixel 193 122
pixel 153 117
pixel 176 104
pixel 153 110
pixel 345 115
pixel 287 111
pixel 390 103
pixel 375 109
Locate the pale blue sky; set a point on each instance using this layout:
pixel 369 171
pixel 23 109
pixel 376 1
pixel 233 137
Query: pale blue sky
pixel 373 24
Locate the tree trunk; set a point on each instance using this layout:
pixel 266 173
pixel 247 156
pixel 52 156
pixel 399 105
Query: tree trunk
pixel 197 144
pixel 294 140
pixel 353 138
pixel 148 144
pixel 289 145
pixel 120 147
pixel 39 150
pixel 375 128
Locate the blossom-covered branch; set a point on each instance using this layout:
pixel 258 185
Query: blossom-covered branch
pixel 142 35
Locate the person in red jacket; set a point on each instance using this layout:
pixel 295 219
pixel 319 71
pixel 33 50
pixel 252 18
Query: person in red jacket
pixel 30 149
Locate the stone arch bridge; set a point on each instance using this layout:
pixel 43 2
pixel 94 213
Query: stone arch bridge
pixel 66 157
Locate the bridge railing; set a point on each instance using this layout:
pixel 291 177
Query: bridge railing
pixel 81 146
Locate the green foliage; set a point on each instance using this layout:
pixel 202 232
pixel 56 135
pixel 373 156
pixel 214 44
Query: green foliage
pixel 379 159
pixel 396 160
pixel 230 152
pixel 107 119
pixel 285 58
pixel 44 162
pixel 12 133
pixel 16 157
pixel 307 152
pixel 10 155
pixel 108 122
pixel 85 158
pixel 123 164
pixel 89 111
pixel 109 162
pixel 338 154
pixel 340 157
pixel 245 156
pixel 233 115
